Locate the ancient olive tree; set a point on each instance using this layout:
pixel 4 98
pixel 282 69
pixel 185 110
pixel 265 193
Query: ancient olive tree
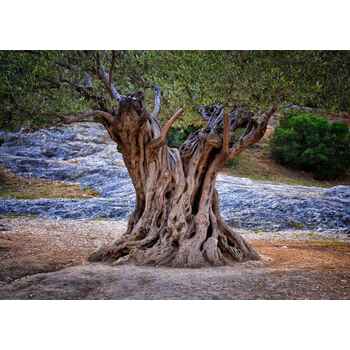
pixel 176 221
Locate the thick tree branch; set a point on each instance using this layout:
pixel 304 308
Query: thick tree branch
pixel 157 102
pixel 226 136
pixel 159 141
pixel 105 78
pixel 111 69
pixel 255 133
pixel 212 115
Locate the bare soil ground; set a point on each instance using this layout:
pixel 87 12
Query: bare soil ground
pixel 46 259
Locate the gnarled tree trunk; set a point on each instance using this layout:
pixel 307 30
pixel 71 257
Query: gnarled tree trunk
pixel 177 220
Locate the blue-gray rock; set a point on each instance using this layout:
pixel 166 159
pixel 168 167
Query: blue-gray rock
pixel 84 154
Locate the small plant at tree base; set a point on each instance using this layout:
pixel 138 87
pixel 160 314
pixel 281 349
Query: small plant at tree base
pixel 309 142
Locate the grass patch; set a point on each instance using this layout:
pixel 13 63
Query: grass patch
pixel 313 235
pixel 329 243
pixel 15 216
pixel 296 225
pixel 17 187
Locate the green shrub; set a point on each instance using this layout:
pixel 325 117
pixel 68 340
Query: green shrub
pixel 308 142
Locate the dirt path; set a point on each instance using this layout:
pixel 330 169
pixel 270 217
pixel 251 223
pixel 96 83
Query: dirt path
pixel 29 246
pixel 301 267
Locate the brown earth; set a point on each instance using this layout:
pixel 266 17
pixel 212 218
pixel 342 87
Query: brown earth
pixel 31 249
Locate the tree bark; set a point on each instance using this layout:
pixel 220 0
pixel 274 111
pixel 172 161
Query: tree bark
pixel 177 221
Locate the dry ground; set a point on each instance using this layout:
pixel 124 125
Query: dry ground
pixel 303 268
pixel 14 186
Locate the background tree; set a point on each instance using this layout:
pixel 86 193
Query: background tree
pixel 34 87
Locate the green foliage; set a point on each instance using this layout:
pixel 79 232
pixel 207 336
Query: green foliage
pixel 36 85
pixel 311 143
pixel 177 135
pixel 29 89
pixel 183 128
pixel 233 163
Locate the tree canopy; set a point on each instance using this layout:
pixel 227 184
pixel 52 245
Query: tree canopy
pixel 38 85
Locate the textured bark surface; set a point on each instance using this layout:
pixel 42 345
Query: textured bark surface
pixel 176 221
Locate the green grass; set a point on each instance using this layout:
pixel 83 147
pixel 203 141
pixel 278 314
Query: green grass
pixel 14 216
pixel 16 187
pixel 329 243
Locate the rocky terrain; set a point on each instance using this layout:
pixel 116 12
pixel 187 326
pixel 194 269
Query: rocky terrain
pixel 84 154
